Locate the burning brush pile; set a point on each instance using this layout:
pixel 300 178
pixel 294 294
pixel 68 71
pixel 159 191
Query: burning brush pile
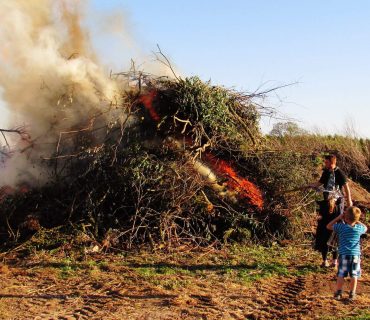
pixel 124 159
pixel 170 161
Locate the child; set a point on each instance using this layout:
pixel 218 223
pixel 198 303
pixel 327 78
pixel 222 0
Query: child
pixel 349 248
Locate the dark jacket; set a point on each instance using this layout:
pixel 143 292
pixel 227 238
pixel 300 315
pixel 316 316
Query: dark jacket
pixel 340 178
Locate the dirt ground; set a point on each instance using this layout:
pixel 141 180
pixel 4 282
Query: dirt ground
pixel 360 196
pixel 35 288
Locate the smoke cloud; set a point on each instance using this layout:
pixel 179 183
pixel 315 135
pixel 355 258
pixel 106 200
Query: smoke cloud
pixel 50 80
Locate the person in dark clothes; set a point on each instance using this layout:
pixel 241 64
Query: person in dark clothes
pixel 323 234
pixel 336 189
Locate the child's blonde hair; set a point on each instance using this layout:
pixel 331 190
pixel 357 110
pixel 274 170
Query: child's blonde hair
pixel 353 214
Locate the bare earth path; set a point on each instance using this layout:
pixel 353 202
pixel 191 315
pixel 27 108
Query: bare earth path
pixel 39 289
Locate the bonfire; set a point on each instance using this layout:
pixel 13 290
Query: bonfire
pixel 168 164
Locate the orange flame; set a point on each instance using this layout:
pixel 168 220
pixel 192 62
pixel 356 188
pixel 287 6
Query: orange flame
pixel 147 101
pixel 12 191
pixel 245 189
pixel 24 189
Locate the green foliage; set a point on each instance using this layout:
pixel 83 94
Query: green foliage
pixel 218 110
pixel 285 170
pixel 319 161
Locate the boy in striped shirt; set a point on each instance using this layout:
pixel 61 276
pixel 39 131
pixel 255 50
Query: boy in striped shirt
pixel 349 248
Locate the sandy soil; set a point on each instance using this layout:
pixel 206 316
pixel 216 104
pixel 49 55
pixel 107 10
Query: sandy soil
pixel 31 289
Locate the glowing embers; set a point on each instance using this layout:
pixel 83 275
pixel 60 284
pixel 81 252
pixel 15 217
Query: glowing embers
pixel 147 101
pixel 246 190
pixel 21 188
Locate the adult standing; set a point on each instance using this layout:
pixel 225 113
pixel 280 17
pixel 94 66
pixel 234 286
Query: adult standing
pixel 336 189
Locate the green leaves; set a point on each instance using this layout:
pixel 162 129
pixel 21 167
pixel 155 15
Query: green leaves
pixel 208 107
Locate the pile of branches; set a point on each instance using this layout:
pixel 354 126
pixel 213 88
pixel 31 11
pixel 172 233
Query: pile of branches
pixel 132 174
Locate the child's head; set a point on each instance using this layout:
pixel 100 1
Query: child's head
pixel 352 214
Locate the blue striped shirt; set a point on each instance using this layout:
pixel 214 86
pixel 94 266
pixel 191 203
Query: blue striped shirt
pixel 349 238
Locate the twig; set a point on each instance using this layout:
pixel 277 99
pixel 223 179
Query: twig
pixel 168 64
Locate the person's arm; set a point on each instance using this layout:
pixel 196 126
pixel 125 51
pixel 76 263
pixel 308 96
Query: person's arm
pixel 312 185
pixel 347 192
pixel 333 222
pixel 362 225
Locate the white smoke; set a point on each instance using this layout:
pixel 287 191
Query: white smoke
pixel 49 78
pixel 51 81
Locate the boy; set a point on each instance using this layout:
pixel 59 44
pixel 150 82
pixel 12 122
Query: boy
pixel 349 248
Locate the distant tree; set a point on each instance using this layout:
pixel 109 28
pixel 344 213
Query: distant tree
pixel 289 128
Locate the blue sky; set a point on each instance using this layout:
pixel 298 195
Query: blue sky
pixel 324 45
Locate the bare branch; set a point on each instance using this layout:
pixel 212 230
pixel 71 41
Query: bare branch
pixel 167 63
pixel 21 131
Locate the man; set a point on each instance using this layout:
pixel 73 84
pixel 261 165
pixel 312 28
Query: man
pixel 331 178
pixel 335 182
